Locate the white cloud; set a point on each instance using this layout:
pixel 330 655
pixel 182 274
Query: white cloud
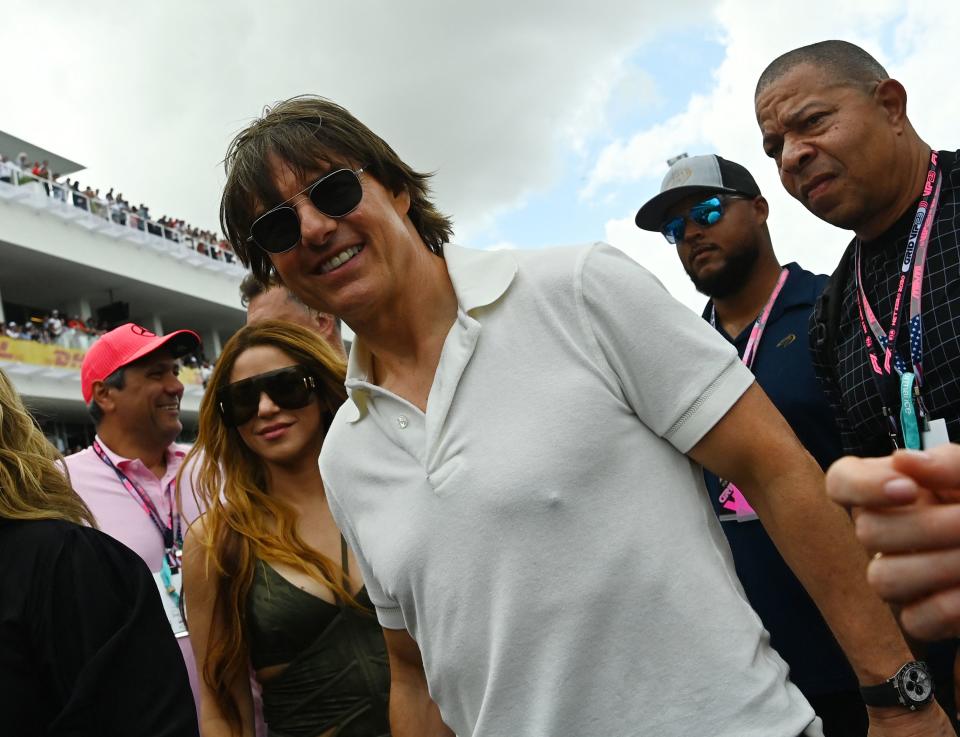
pixel 490 95
pixel 722 121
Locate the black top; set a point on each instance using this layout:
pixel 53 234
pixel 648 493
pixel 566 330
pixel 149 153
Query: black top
pixel 85 646
pixel 337 675
pixel 783 369
pixel 845 372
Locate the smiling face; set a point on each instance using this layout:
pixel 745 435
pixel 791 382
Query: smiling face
pixel 351 266
pixel 279 436
pixel 835 145
pixel 719 258
pixel 148 405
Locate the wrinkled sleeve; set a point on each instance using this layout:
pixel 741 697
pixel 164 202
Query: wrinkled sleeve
pixel 105 641
pixel 677 374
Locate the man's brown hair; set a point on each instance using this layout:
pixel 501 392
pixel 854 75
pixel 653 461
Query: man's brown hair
pixel 309 132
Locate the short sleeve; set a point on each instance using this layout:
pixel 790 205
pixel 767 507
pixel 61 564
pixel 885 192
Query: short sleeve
pixel 678 375
pixel 106 645
pixel 388 611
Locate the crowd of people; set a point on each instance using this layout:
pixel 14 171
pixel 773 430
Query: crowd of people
pixel 550 500
pixel 114 207
pixel 52 328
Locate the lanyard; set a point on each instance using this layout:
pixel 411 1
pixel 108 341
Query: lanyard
pixel 890 360
pixel 731 498
pixel 753 342
pixel 170 530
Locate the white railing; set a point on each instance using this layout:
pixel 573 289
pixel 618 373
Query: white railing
pixel 97 213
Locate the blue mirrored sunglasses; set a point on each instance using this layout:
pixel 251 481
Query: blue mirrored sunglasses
pixel 705 213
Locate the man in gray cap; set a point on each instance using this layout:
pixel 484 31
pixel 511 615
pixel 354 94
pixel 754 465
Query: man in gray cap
pixel 711 209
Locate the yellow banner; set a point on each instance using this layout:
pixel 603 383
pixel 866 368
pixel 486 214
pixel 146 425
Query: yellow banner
pixel 39 354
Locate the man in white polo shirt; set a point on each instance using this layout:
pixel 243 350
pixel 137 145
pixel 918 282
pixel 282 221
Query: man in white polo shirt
pixel 516 469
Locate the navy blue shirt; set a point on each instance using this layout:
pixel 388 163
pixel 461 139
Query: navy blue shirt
pixel 784 370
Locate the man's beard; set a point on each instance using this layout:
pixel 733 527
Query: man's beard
pixel 730 278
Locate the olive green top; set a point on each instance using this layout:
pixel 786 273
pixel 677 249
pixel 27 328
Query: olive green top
pixel 337 677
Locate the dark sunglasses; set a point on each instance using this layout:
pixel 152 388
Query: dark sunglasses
pixel 289 388
pixel 706 213
pixel 336 195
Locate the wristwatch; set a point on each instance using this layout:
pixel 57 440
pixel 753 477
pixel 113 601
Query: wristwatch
pixel 911 687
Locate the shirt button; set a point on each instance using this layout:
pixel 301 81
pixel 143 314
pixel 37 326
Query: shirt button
pixel 402 421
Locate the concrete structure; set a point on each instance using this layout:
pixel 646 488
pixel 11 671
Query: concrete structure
pixel 63 251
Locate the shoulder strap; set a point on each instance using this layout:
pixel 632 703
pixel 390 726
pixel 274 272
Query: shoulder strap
pixel 344 559
pixel 826 312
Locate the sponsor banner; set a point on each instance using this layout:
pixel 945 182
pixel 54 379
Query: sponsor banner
pixel 54 356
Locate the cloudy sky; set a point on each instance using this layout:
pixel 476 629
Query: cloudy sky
pixel 545 122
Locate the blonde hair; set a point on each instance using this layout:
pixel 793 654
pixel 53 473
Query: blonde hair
pixel 33 478
pixel 242 521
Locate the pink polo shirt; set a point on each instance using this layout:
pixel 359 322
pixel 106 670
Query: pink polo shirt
pixel 119 515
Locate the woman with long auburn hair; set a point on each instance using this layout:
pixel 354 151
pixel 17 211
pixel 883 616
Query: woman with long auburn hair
pixel 268 581
pixel 85 646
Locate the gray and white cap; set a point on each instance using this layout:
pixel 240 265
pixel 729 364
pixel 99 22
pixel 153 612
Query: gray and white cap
pixel 708 174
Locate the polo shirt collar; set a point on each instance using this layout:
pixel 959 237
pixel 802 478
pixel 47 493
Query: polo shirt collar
pixel 479 278
pixel 800 289
pixel 174 455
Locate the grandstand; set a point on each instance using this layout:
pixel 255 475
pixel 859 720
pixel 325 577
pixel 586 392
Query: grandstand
pixel 98 263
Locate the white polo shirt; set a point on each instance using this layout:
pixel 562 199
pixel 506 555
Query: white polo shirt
pixel 539 531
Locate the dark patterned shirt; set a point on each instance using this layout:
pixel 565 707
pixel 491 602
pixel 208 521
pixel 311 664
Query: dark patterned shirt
pixel 845 372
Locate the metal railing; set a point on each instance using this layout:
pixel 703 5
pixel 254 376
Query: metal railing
pixel 100 213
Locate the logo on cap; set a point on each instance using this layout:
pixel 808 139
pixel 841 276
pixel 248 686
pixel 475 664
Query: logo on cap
pixel 678 176
pixel 137 330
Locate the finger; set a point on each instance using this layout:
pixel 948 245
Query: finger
pixel 869 482
pixel 909 528
pixel 934 618
pixel 937 469
pixel 907 578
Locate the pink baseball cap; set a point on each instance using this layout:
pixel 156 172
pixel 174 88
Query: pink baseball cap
pixel 124 345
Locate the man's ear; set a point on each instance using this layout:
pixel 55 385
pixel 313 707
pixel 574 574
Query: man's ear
pixel 326 323
pixel 892 97
pixel 401 201
pixel 103 397
pixel 761 209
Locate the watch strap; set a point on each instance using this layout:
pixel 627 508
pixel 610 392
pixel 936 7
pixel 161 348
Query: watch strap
pixel 882 694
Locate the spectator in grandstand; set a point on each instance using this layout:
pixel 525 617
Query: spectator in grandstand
pixel 279 303
pixel 59 188
pixel 79 199
pixel 205 371
pixel 32 332
pixel 129 382
pixel 54 325
pixel 7 169
pixel 85 648
pixel 23 163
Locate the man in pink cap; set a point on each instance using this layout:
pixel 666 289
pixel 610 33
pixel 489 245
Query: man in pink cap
pixel 130 383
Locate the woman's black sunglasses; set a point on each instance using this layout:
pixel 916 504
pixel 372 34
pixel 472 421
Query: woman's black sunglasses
pixel 288 388
pixel 336 195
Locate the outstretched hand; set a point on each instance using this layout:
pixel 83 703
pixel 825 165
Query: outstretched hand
pixel 907 509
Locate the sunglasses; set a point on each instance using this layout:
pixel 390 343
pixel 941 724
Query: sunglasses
pixel 288 388
pixel 706 213
pixel 336 195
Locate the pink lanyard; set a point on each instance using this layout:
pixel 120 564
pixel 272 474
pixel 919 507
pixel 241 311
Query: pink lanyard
pixel 731 497
pixel 169 531
pixel 753 342
pixel 914 260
